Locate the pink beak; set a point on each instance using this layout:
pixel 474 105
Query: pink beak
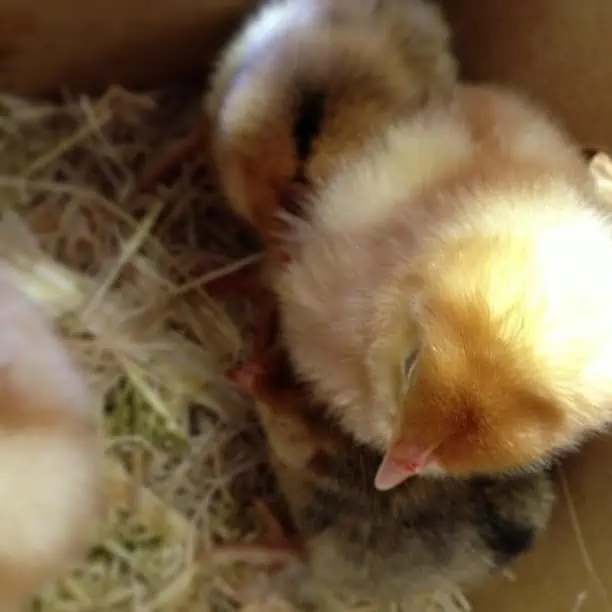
pixel 400 462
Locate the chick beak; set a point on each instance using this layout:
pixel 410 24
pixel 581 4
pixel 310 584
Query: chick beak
pixel 400 462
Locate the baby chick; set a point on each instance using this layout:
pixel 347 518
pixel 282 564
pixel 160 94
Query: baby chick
pixel 50 469
pixel 427 534
pixel 305 82
pixel 445 297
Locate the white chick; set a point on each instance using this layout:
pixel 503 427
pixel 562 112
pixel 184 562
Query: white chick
pixel 50 468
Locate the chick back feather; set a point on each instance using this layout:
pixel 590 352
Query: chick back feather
pixel 307 81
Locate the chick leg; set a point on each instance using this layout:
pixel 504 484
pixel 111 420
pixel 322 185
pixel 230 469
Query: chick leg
pixel 273 548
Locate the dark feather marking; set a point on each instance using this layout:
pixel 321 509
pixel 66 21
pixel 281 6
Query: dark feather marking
pixel 506 538
pixel 308 119
pixel 309 112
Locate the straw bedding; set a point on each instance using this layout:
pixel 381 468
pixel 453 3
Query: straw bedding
pixel 124 275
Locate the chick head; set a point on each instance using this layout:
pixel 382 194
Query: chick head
pixel 505 350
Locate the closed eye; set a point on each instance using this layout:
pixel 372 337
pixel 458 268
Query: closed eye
pixel 411 362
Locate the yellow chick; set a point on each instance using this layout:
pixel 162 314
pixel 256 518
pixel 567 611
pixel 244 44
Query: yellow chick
pixel 447 295
pixel 306 82
pixel 50 462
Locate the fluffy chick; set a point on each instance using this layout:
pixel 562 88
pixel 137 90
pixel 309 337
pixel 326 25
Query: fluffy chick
pixel 305 82
pixel 446 296
pixel 427 534
pixel 50 474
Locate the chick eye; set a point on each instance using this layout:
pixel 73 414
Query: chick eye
pixel 411 361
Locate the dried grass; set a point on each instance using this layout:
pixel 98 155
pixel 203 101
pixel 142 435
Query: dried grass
pixel 123 274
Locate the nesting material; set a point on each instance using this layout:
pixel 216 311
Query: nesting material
pixel 124 275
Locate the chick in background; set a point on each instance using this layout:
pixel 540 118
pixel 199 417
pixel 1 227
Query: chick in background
pixel 51 472
pixel 305 83
pixel 445 297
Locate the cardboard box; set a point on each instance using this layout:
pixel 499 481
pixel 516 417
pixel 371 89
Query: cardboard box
pixel 90 44
pixel 558 50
